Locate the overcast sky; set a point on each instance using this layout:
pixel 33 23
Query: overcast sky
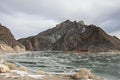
pixel 29 17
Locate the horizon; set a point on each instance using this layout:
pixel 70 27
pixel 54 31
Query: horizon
pixel 30 17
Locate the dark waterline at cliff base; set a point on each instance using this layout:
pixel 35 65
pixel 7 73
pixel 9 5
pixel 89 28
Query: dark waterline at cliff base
pixel 105 65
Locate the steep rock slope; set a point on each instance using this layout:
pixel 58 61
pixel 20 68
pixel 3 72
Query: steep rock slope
pixel 5 48
pixel 8 42
pixel 72 36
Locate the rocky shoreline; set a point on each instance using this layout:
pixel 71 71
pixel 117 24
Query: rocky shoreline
pixel 9 71
pixel 20 74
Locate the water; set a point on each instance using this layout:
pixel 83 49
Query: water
pixel 105 65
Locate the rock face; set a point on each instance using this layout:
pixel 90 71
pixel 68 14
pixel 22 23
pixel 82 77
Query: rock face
pixel 72 36
pixel 5 48
pixel 8 42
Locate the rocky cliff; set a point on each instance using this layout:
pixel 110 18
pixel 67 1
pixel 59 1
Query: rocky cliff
pixel 72 36
pixel 8 42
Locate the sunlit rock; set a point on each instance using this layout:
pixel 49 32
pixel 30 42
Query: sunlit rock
pixel 10 65
pixel 4 68
pixel 5 48
pixel 83 74
pixel 18 48
pixel 22 68
pixel 40 72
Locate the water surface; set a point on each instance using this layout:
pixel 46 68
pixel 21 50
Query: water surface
pixel 105 65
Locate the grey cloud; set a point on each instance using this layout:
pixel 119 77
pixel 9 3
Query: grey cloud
pixel 111 26
pixel 38 15
pixel 23 25
pixel 62 8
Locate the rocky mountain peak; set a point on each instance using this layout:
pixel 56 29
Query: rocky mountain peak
pixel 67 21
pixel 72 36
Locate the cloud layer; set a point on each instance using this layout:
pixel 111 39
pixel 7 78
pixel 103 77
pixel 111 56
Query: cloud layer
pixel 29 17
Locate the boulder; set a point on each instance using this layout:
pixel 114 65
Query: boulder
pixel 83 74
pixel 11 66
pixel 40 72
pixel 22 68
pixel 4 68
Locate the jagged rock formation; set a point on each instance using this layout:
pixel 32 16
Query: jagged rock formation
pixel 72 36
pixel 8 42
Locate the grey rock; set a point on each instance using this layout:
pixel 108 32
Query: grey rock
pixel 72 36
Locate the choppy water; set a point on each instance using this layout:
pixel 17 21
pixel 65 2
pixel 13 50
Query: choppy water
pixel 105 65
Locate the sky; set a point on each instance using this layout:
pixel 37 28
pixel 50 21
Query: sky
pixel 29 17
